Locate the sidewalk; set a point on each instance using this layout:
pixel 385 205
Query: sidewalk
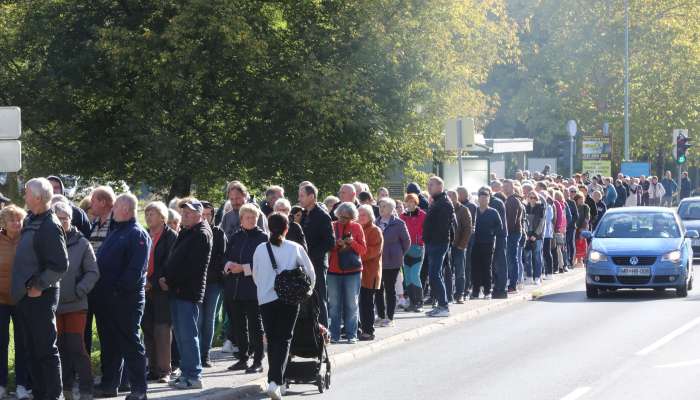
pixel 220 384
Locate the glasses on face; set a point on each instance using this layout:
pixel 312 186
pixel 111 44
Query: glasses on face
pixel 533 197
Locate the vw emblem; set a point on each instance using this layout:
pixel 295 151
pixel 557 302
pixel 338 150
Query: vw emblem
pixel 634 260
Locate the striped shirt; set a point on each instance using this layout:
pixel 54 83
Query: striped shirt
pixel 99 232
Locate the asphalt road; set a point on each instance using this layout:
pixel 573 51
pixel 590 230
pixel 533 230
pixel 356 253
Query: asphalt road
pixel 627 345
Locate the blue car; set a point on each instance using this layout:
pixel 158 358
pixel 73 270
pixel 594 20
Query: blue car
pixel 640 247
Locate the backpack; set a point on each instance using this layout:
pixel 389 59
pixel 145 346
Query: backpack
pixel 293 286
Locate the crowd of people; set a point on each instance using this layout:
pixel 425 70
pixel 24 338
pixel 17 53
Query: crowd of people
pixel 155 292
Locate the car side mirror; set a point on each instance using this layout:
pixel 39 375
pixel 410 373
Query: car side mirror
pixel 692 234
pixel 589 234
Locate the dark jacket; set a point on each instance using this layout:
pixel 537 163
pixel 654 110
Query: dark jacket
pixel 498 205
pixel 438 221
pixel 396 242
pixel 571 222
pixel 160 256
pixel 215 270
pixel 535 220
pixel 464 228
pixel 514 214
pixel 320 238
pixel 591 208
pixel 296 235
pixel 601 209
pixel 472 210
pixel 686 187
pixel 488 226
pixel 41 257
pixel 123 259
pixel 81 276
pixel 81 221
pixel 621 196
pixel 240 250
pixel 186 269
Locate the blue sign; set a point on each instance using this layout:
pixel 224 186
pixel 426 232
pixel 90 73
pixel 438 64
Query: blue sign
pixel 635 169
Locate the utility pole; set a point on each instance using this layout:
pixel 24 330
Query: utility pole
pixel 627 81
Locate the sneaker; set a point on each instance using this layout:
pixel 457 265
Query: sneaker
pixel 274 391
pixel 547 277
pixel 206 363
pixel 538 282
pixel 187 384
pixel 335 341
pixel 352 340
pixel 499 296
pixel 487 296
pixel 241 365
pixel 256 368
pixel 22 393
pixel 512 290
pixel 228 347
pixel 386 323
pixel 459 300
pixel 131 396
pixel 439 312
pixel 101 393
pixel 364 337
pixel 474 296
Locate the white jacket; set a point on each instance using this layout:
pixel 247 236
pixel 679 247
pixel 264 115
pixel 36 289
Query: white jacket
pixel 656 191
pixel 288 255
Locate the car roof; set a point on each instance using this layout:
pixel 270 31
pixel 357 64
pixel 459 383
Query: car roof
pixel 691 199
pixel 624 210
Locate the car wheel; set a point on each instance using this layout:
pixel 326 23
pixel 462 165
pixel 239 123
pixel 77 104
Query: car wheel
pixel 591 291
pixel 690 283
pixel 682 290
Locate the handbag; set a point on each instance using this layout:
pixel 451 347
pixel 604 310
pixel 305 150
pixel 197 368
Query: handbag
pixel 292 286
pixel 348 259
pixel 560 239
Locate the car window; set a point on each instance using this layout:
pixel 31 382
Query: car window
pixel 689 210
pixel 638 226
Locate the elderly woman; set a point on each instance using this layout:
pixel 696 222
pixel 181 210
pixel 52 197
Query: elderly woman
pixel 240 291
pixel 71 314
pixel 330 202
pixel 344 272
pixel 396 244
pixel 295 233
pixel 174 220
pixel 156 315
pixel 372 270
pixel 11 218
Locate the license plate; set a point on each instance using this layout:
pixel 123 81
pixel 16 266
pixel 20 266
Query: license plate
pixel 696 242
pixel 634 271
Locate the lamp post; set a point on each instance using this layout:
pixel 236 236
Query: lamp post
pixel 627 81
pixel 571 128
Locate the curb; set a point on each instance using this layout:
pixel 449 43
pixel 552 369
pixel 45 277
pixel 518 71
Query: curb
pixel 257 386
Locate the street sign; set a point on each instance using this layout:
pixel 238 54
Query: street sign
pixel 459 134
pixel 571 128
pixel 10 155
pixel 10 123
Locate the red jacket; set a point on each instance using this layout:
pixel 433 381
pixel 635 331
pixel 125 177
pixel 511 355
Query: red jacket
pixel 358 245
pixel 414 223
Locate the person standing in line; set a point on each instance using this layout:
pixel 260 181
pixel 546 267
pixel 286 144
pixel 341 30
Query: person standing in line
pixel 488 228
pixel 532 253
pixel 463 233
pixel 278 317
pixel 40 261
pixel 644 185
pixel 656 192
pixel 318 230
pixel 686 185
pixel 156 322
pixel 11 220
pixel 80 219
pixel 600 208
pixel 372 270
pixel 396 245
pixel 71 313
pixel 670 189
pixel 119 301
pixel 414 218
pixel 499 265
pixel 514 215
pixel 295 233
pixel 436 235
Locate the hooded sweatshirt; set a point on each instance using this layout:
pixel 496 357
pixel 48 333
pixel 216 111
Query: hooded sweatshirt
pixel 81 276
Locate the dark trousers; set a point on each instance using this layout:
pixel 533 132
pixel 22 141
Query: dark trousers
pixel 500 265
pixel 482 257
pixel 570 246
pixel 8 312
pixel 247 323
pixel 157 333
pixel 88 325
pixel 39 322
pixel 385 297
pixel 321 289
pixel 74 358
pixel 367 310
pixel 547 256
pixel 448 275
pixel 279 319
pixel 118 317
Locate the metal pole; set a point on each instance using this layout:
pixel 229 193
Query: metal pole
pixel 627 81
pixel 459 149
pixel 571 156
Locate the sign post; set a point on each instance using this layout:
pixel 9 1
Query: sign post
pixel 459 134
pixel 571 128
pixel 10 147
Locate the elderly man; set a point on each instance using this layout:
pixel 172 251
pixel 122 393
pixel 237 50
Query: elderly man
pixel 347 193
pixel 272 194
pixel 488 229
pixel 119 300
pixel 40 262
pixel 185 279
pixel 463 233
pixel 320 239
pixel 79 219
pixel 436 235
pixel 514 214
pixel 238 195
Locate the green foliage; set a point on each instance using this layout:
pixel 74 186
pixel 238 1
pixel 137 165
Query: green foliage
pixel 182 93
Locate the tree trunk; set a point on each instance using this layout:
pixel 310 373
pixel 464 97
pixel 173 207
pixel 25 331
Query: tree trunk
pixel 180 187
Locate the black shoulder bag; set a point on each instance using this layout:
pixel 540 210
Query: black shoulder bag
pixel 293 286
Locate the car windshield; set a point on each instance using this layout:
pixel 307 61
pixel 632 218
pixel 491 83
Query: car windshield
pixel 689 210
pixel 638 226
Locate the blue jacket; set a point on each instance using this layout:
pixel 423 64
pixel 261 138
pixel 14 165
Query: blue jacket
pixel 670 186
pixel 123 258
pixel 610 196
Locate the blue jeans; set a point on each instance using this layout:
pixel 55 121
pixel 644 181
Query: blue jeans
pixel 458 265
pixel 533 260
pixel 343 296
pixel 184 318
pixel 513 263
pixel 207 318
pixel 500 266
pixel 21 371
pixel 435 254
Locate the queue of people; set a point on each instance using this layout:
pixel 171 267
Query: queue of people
pixel 155 292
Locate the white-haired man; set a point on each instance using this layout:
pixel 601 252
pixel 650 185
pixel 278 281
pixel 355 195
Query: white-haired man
pixel 119 300
pixel 40 262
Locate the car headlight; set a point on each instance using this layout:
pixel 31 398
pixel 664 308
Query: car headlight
pixel 596 256
pixel 673 256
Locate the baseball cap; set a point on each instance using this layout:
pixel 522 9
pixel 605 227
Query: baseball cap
pixel 194 205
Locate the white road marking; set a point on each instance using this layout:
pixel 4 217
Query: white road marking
pixel 679 364
pixel 666 339
pixel 577 394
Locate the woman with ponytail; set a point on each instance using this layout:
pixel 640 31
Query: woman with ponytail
pixel 278 318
